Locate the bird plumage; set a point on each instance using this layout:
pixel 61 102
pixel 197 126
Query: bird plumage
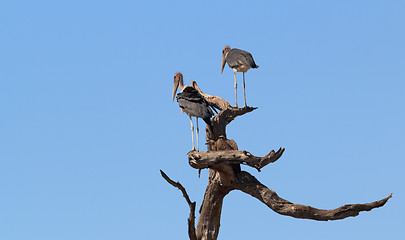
pixel 240 60
pixel 194 104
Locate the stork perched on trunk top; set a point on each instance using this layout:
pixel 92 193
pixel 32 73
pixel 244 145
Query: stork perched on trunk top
pixel 192 103
pixel 239 61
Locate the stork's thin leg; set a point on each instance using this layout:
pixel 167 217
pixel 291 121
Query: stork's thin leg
pixel 192 132
pixel 244 93
pixel 197 135
pixel 236 87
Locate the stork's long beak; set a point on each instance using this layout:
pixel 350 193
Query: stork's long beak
pixel 222 63
pixel 175 86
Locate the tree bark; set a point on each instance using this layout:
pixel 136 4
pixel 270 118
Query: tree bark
pixel 209 159
pixel 250 185
pixel 223 160
pixel 211 207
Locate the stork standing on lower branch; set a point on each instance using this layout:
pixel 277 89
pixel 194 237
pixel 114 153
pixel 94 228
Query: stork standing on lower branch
pixel 192 103
pixel 239 61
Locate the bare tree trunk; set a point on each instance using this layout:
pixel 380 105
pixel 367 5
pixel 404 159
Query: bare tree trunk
pixel 210 212
pixel 223 160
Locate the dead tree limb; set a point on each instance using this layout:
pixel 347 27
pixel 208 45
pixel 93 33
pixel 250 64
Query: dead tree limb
pixel 250 185
pixel 191 218
pixel 200 160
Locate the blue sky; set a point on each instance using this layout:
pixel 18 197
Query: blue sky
pixel 87 121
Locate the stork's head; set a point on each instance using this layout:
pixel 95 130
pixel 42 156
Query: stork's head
pixel 178 80
pixel 225 52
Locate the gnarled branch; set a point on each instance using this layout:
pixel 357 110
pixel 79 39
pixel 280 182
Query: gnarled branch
pixel 208 159
pixel 191 219
pixel 223 118
pixel 253 187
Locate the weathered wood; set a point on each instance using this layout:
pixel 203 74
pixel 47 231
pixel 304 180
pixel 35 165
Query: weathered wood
pixel 211 207
pixel 223 118
pixel 200 160
pixel 253 187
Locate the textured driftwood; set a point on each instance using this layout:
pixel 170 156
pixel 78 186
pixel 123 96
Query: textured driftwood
pixel 201 160
pixel 191 218
pixel 223 160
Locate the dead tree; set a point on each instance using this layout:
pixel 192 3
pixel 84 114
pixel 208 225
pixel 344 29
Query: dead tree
pixel 223 160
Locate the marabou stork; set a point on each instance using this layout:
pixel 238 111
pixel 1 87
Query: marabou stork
pixel 192 103
pixel 239 61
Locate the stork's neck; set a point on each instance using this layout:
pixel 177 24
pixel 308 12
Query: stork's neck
pixel 181 85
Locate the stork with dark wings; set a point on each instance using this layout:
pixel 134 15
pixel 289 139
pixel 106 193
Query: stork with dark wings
pixel 192 103
pixel 239 61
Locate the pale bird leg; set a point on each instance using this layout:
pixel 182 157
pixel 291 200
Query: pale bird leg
pixel 192 132
pixel 236 87
pixel 244 93
pixel 197 135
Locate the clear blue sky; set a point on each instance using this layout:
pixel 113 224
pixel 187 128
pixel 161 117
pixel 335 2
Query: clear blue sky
pixel 87 121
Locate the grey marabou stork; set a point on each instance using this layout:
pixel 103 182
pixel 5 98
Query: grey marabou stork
pixel 192 103
pixel 239 61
